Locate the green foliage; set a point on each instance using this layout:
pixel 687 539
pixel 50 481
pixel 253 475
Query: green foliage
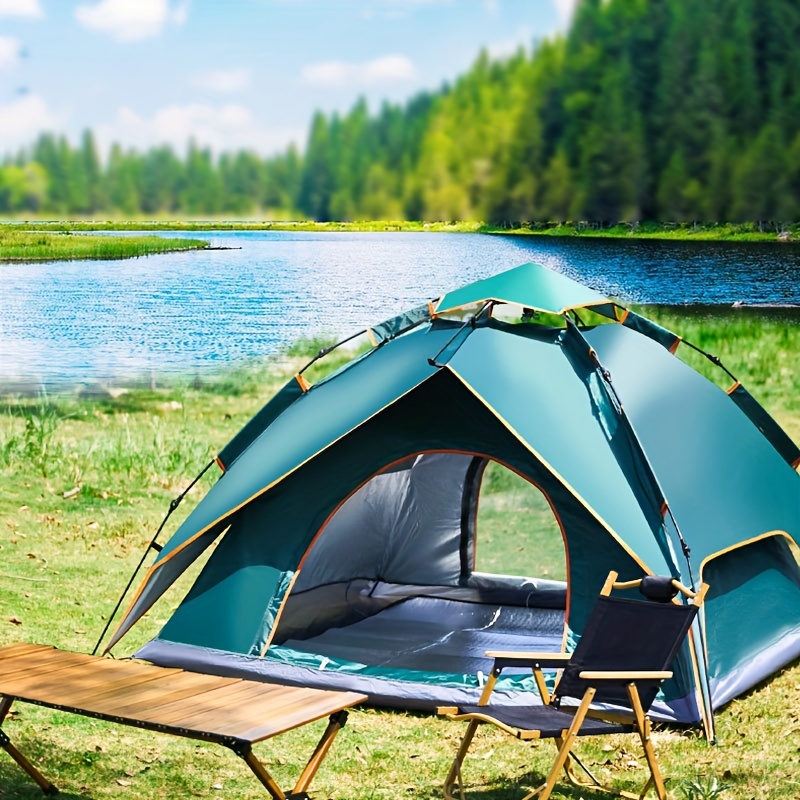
pixel 645 109
pixel 20 244
pixel 702 788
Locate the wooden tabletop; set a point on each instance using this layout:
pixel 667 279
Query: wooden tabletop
pixel 158 698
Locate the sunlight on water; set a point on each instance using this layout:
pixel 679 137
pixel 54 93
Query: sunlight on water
pixel 81 322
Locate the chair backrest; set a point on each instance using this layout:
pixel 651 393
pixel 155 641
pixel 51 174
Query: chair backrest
pixel 630 635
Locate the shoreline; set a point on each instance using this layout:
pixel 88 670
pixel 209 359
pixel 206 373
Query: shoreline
pixel 715 232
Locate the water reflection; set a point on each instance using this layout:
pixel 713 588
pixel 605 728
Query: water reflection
pixel 85 321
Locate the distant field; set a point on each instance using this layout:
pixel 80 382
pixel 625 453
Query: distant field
pixel 740 232
pixel 86 481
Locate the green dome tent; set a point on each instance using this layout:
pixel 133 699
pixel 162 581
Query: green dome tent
pixel 345 518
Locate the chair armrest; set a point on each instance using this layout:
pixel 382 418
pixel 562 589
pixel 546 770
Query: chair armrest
pixel 522 658
pixel 625 677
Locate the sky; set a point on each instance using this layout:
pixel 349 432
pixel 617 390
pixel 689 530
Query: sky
pixel 236 74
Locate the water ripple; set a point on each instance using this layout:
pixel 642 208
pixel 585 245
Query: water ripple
pixel 87 321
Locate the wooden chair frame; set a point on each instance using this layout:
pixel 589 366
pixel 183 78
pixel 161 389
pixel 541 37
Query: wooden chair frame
pixel 574 717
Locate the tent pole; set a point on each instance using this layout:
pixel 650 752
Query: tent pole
pixel 153 545
pixel 325 350
pixel 469 321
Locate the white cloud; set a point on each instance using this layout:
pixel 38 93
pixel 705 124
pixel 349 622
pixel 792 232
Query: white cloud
pixel 221 80
pixel 222 128
pixel 523 37
pixel 23 119
pixel 389 69
pixel 21 8
pixel 131 20
pixel 565 10
pixel 9 52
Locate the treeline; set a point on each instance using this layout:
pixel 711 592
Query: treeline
pixel 667 110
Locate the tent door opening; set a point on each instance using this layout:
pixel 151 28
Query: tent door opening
pixel 419 570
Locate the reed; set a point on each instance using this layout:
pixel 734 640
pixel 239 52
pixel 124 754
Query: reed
pixel 23 245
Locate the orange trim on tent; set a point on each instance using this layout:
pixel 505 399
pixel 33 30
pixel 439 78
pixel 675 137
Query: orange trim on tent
pixel 304 384
pixel 219 463
pixel 733 388
pixel 676 344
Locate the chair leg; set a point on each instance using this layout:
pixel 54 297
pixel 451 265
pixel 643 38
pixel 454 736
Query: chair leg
pixel 454 776
pixel 644 729
pixel 45 785
pixel 567 741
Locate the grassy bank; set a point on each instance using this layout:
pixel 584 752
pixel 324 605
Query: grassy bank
pixel 378 226
pixel 688 231
pixel 741 232
pixel 19 245
pixel 86 481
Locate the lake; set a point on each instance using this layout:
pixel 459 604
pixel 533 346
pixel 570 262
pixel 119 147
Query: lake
pixel 83 322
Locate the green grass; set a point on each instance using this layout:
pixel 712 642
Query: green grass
pixel 719 231
pixel 19 245
pixel 85 485
pixel 684 231
pixel 254 225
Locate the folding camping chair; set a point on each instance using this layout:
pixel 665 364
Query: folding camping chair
pixel 614 675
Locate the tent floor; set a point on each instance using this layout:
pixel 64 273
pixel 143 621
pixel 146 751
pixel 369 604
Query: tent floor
pixel 437 635
pixel 416 654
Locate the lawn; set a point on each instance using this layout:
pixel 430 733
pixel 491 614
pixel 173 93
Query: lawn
pixel 86 482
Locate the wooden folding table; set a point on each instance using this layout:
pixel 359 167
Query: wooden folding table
pixel 232 712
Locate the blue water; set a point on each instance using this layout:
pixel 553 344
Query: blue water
pixel 76 322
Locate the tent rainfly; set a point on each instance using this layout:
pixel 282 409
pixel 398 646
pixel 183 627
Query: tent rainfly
pixel 344 522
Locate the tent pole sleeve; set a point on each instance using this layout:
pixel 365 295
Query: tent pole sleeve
pixel 153 545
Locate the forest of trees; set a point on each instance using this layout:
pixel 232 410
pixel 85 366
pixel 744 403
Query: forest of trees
pixel 667 110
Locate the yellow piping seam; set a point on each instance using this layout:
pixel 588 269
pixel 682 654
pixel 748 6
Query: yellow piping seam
pixel 140 590
pixel 279 614
pixel 500 300
pixel 556 474
pixel 739 545
pixel 432 310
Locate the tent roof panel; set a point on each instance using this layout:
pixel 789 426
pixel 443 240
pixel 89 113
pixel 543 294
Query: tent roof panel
pixel 320 416
pixel 533 387
pixel 724 481
pixel 529 285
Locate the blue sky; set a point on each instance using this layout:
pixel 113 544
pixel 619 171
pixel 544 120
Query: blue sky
pixel 236 73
